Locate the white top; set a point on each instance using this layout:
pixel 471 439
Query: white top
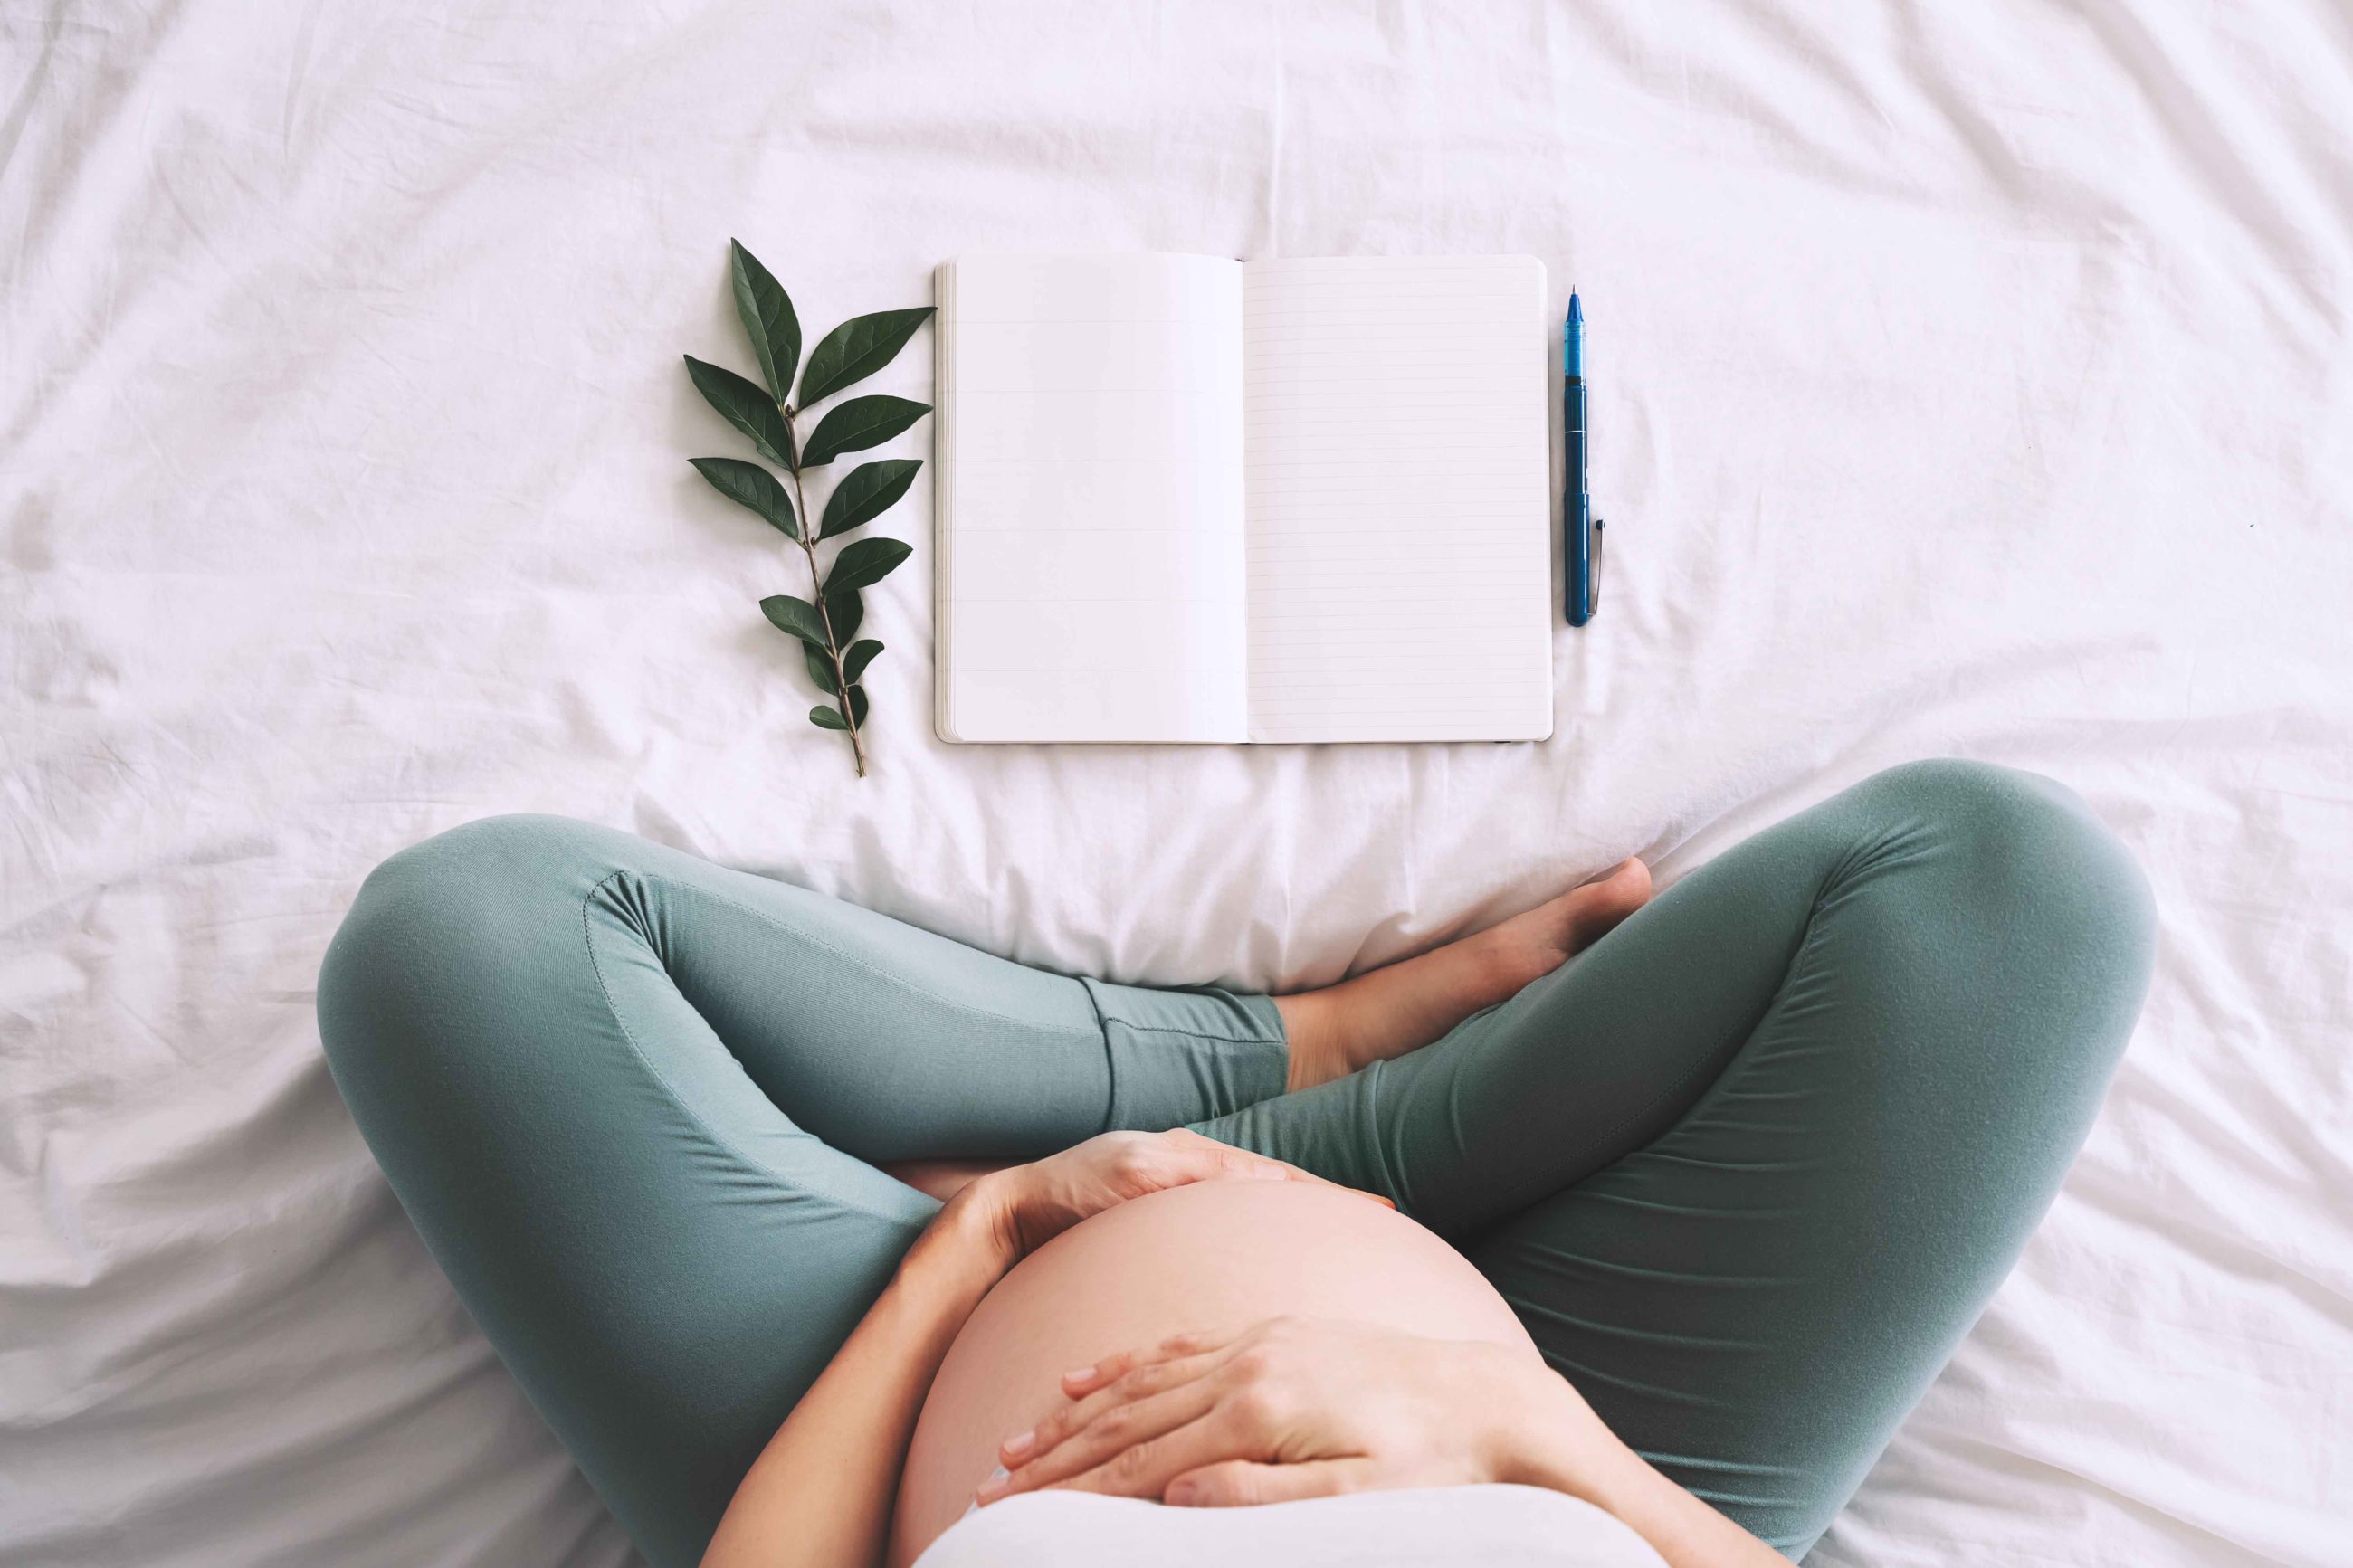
pixel 1445 1527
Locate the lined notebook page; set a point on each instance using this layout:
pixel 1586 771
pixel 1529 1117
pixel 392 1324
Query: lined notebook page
pixel 1399 492
pixel 1090 499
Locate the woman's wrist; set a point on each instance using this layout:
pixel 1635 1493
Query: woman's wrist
pixel 1546 1435
pixel 974 1231
pixel 1553 1439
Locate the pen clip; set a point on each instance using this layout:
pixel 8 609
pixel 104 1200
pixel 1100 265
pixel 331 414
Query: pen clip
pixel 1593 587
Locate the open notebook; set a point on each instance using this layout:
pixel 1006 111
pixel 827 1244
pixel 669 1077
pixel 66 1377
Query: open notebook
pixel 1189 499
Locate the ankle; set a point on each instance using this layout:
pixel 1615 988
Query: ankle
pixel 1307 1033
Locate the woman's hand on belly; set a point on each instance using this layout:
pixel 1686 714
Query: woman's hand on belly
pixel 1294 1408
pixel 822 1489
pixel 1298 1408
pixel 1030 1205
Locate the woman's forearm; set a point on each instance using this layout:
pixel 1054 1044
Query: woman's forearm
pixel 1680 1527
pixel 1560 1444
pixel 821 1491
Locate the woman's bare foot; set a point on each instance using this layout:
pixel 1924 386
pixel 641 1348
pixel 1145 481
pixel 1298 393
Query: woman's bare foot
pixel 1389 1011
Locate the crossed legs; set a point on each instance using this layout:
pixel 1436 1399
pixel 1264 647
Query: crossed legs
pixel 1747 1168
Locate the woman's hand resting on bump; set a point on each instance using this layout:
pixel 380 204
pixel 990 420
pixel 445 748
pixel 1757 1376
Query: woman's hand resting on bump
pixel 1296 1408
pixel 1022 1207
pixel 820 1492
pixel 1303 1408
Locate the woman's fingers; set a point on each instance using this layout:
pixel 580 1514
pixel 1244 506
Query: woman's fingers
pixel 1135 1163
pixel 1231 1160
pixel 1246 1483
pixel 1131 1386
pixel 1107 1442
pixel 1176 1347
pixel 1194 1158
pixel 1144 1468
pixel 1030 1205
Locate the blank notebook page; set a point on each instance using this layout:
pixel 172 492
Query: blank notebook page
pixel 1398 488
pixel 1092 499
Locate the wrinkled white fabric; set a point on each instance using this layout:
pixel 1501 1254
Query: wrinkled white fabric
pixel 1968 380
pixel 1434 1527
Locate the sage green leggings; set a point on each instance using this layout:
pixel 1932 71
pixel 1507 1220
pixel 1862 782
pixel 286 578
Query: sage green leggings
pixel 1747 1168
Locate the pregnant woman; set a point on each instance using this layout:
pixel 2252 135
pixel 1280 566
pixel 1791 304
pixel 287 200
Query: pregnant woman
pixel 732 1174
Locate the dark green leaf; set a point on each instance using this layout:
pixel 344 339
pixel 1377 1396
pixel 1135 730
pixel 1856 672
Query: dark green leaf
pixel 869 490
pixel 857 349
pixel 860 423
pixel 768 319
pixel 748 484
pixel 820 669
pixel 860 655
pixel 798 617
pixel 747 407
pixel 845 609
pixel 826 717
pixel 864 563
pixel 858 704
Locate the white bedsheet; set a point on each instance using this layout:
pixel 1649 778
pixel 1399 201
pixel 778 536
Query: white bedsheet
pixel 1973 384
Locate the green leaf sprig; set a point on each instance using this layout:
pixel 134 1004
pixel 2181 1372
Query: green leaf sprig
pixel 825 623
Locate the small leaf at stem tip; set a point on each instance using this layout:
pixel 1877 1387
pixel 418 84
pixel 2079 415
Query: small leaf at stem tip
pixel 860 655
pixel 768 319
pixel 867 492
pixel 857 349
pixel 826 717
pixel 747 407
pixel 845 609
pixel 858 705
pixel 860 423
pixel 864 562
pixel 820 669
pixel 748 484
pixel 798 617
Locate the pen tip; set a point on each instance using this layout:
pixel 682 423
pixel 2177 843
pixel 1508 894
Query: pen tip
pixel 1576 308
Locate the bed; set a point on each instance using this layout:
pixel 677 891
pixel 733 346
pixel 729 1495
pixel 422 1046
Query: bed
pixel 1973 384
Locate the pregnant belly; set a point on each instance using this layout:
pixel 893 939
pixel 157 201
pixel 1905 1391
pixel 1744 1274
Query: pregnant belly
pixel 1211 1256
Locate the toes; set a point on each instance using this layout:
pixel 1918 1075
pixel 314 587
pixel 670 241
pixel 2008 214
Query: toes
pixel 1631 872
pixel 1610 898
pixel 1631 880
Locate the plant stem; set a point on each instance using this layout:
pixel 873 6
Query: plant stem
pixel 816 592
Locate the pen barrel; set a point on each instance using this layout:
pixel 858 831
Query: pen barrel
pixel 1576 509
pixel 1573 424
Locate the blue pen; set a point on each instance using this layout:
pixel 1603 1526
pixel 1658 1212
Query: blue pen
pixel 1581 528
